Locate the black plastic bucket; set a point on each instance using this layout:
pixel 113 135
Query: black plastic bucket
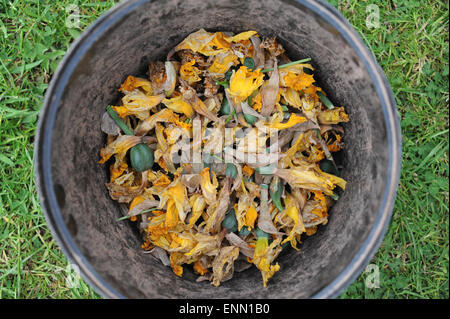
pixel 77 206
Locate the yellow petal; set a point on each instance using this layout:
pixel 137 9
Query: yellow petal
pixel 165 115
pixel 203 42
pixel 312 91
pixel 196 41
pixel 250 217
pixel 177 104
pixel 311 230
pixel 198 204
pixel 247 170
pixel 292 211
pixel 312 179
pixel 222 63
pixel 241 36
pixel 264 255
pixel 198 268
pixel 162 181
pixel 209 189
pixel 333 116
pixel 137 99
pixel 190 96
pixel 293 120
pixel 171 214
pixel 292 97
pixel 132 83
pixel 320 197
pixel 298 68
pixel 177 269
pixel 242 207
pixel 244 82
pixel 298 81
pixel 189 72
pixel 115 172
pixel 119 146
pixel 335 180
pixel 176 196
pixel 336 145
pixel 257 102
pixel 137 200
pixel 138 104
pixel 219 41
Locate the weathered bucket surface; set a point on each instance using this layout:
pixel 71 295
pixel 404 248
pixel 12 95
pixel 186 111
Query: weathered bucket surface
pixel 77 206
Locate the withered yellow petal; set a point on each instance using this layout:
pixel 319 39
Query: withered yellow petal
pixel 293 120
pixel 333 116
pixel 117 171
pixel 198 268
pixel 137 200
pixel 177 104
pixel 298 81
pixel 250 217
pixel 244 81
pixel 132 83
pixel 222 63
pixel 209 189
pixel 241 36
pixel 292 97
pixel 119 146
pixel 189 72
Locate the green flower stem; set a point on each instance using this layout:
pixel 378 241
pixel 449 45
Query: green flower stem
pixel 287 65
pixel 230 116
pixel 325 100
pixel 119 121
pixel 143 212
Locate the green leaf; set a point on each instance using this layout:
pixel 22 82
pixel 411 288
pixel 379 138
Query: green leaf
pixel 74 33
pixel 26 67
pixel 6 160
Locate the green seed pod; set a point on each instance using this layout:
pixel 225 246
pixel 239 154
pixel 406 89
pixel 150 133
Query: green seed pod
pixel 244 231
pixel 261 234
pixel 231 170
pixel 266 170
pixel 276 189
pixel 328 167
pixel 142 157
pixel 228 75
pixel 249 63
pixel 225 109
pixel 230 222
pixel 250 119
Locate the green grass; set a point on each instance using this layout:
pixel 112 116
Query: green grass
pixel 411 44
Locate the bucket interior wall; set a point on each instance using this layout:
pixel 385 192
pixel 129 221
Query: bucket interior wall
pixel 148 33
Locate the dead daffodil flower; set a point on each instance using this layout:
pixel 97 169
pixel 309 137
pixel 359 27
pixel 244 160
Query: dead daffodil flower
pixel 190 73
pixel 177 104
pixel 243 82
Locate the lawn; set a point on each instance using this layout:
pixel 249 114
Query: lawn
pixel 411 45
